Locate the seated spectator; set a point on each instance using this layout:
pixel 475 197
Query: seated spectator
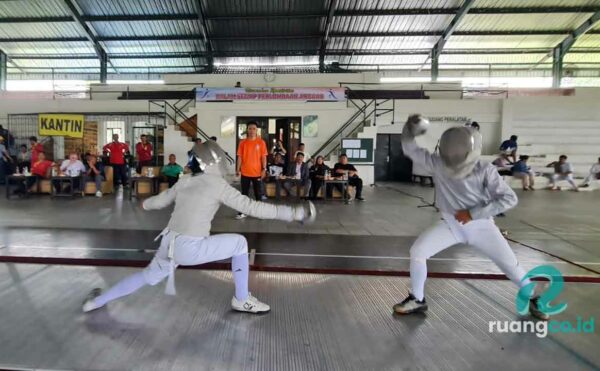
pixel 94 172
pixel 503 164
pixel 277 168
pixel 171 171
pixel 562 171
pixel 23 158
pixel 317 174
pixel 302 148
pixel 344 169
pixel 5 161
pixel 522 171
pixel 475 125
pixel 594 174
pixel 73 168
pixel 510 147
pixel 41 169
pixel 297 173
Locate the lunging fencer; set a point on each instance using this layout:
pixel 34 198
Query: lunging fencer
pixel 187 241
pixel 469 192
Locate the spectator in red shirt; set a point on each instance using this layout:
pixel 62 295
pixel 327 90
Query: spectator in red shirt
pixel 117 152
pixel 41 169
pixel 143 151
pixel 36 149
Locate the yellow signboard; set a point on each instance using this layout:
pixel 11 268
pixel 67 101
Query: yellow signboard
pixel 60 125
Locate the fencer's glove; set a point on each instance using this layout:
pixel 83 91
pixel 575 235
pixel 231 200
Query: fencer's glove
pixel 416 125
pixel 305 213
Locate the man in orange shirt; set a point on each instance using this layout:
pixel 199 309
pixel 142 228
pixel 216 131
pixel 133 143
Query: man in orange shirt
pixel 251 162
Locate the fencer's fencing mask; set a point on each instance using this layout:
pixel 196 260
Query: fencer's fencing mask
pixel 460 148
pixel 210 158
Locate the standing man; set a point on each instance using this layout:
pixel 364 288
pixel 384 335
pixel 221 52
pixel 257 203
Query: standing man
pixel 117 152
pixel 5 161
pixel 36 149
pixel 251 163
pixel 143 151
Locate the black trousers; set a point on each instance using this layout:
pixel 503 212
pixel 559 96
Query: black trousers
pixel 256 185
pixel 315 186
pixel 119 174
pixel 354 181
pixel 172 180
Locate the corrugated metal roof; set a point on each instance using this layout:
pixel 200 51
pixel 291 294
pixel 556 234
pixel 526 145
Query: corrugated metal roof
pixel 379 59
pixel 41 30
pixel 61 48
pixel 491 58
pixel 260 61
pixel 377 43
pixel 254 7
pixel 152 46
pixel 391 23
pixel 147 28
pixel 268 45
pixel 33 8
pixel 532 3
pixel 515 22
pixel 250 27
pixel 136 7
pixel 54 63
pixel 396 4
pixel 588 41
pixel 503 42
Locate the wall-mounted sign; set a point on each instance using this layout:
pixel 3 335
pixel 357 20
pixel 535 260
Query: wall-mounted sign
pixel 58 124
pixel 298 94
pixel 459 119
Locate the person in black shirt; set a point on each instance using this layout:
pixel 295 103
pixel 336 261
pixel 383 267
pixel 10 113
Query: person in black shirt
pixel 94 172
pixel 317 174
pixel 277 168
pixel 342 168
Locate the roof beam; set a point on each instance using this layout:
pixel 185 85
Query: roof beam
pixel 3 70
pixel 91 36
pixel 562 49
pixel 201 17
pixel 328 22
pixel 290 37
pixel 338 13
pixel 439 46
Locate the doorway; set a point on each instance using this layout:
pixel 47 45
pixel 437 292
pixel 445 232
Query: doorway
pixel 390 162
pixel 273 129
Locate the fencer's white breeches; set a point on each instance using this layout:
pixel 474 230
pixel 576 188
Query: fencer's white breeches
pixel 481 234
pixel 193 251
pixel 557 177
pixel 590 178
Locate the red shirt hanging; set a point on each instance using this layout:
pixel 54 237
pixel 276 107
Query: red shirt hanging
pixel 117 152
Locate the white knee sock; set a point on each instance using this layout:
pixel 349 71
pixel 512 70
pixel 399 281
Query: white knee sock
pixel 418 275
pixel 125 287
pixel 239 268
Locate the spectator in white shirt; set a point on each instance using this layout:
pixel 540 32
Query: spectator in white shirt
pixel 594 174
pixel 74 168
pixel 562 171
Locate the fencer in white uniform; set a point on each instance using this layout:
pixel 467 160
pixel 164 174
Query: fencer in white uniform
pixel 187 240
pixel 469 192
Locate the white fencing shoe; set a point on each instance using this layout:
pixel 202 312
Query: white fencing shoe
pixel 251 305
pixel 90 304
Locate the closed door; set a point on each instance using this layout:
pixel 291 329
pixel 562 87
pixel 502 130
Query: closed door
pixel 390 162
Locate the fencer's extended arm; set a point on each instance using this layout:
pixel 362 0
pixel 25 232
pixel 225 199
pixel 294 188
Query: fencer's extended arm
pixel 161 200
pixel 261 210
pixel 502 196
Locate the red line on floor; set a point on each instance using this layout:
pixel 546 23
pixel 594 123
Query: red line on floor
pixel 213 266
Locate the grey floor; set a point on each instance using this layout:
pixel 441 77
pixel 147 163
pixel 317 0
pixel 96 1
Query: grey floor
pixel 318 322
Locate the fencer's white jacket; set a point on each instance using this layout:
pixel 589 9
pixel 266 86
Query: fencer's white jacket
pixel 484 193
pixel 197 199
